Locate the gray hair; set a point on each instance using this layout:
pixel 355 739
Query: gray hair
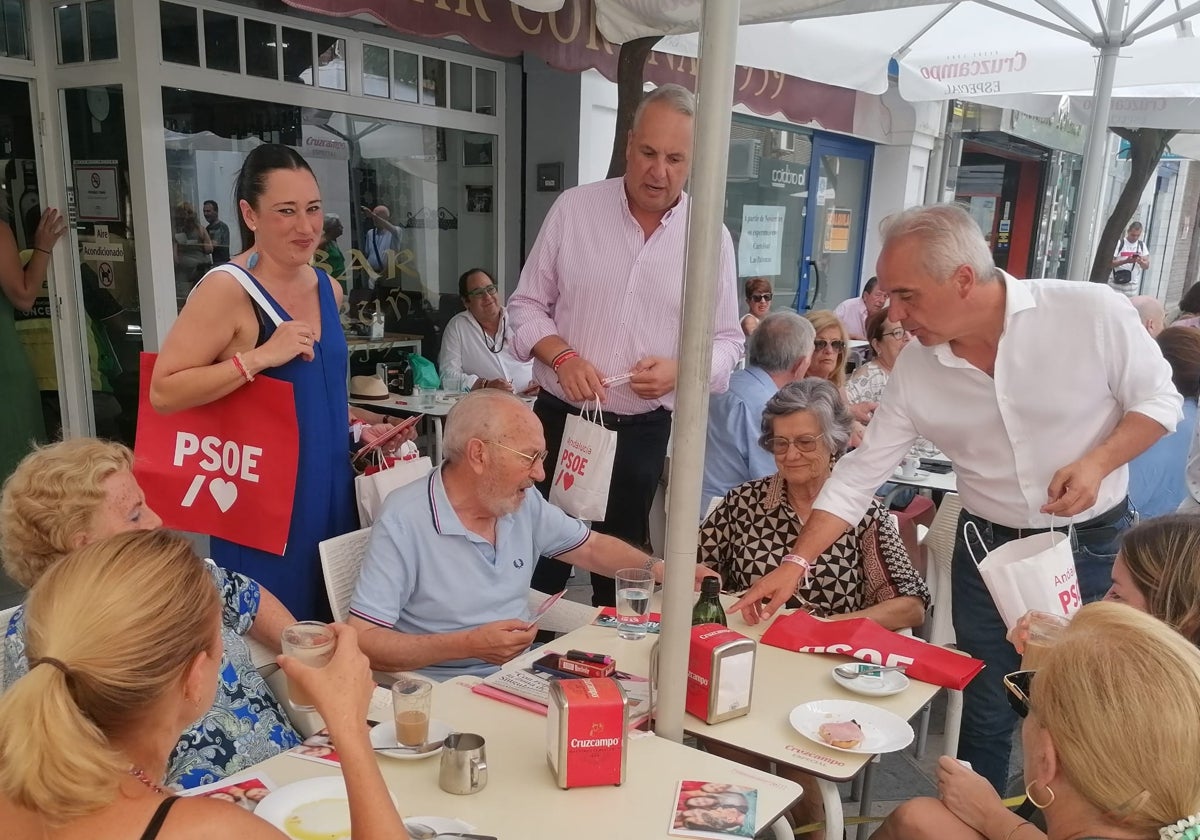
pixel 479 415
pixel 822 399
pixel 676 97
pixel 949 236
pixel 780 341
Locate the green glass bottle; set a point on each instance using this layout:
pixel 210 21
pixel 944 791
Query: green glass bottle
pixel 708 609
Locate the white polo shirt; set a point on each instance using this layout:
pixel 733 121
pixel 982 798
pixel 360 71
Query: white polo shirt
pixel 425 573
pixel 1074 358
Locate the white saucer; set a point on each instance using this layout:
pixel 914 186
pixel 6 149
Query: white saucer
pixel 920 476
pixel 883 732
pixel 384 735
pixel 884 685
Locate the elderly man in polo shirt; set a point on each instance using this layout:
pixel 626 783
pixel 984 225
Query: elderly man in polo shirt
pixel 1039 391
pixel 444 585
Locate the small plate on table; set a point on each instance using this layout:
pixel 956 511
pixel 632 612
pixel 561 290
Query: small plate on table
pixel 316 807
pixel 384 735
pixel 448 398
pixel 920 476
pixel 884 685
pixel 883 732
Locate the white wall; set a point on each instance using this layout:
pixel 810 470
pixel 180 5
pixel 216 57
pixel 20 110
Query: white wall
pixel 597 123
pixel 552 108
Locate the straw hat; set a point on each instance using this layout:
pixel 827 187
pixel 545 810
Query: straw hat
pixel 367 388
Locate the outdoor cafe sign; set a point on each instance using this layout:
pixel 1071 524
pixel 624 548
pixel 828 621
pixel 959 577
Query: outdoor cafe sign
pixel 569 40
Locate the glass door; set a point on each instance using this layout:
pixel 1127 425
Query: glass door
pixel 831 263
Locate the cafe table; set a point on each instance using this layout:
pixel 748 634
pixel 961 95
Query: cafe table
pixel 522 801
pixel 782 680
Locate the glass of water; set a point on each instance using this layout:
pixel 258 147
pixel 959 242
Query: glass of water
pixel 634 588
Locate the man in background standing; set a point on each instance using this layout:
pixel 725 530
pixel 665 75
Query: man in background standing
pixel 381 238
pixel 218 232
pixel 853 313
pixel 599 306
pixel 1129 262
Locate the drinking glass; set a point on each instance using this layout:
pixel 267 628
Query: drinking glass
pixel 634 588
pixel 313 643
pixel 411 700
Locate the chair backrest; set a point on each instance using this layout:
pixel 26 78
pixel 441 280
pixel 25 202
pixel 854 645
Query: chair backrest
pixel 944 530
pixel 341 561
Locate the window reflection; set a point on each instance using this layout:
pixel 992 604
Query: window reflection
pixel 260 49
pixel 180 34
pixel 221 42
pixel 69 22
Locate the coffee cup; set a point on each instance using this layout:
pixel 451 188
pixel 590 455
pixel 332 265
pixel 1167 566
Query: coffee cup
pixel 411 701
pixel 464 764
pixel 909 466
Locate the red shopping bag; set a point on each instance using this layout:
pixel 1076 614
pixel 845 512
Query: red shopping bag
pixel 228 468
pixel 863 639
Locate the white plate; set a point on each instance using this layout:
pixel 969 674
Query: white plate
pixel 887 683
pixel 883 732
pixel 448 398
pixel 326 810
pixel 920 476
pixel 384 735
pixel 442 823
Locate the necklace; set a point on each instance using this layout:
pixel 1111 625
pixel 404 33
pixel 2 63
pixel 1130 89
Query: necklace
pixel 491 342
pixel 140 774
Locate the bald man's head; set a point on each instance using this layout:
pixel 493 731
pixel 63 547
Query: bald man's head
pixel 1151 313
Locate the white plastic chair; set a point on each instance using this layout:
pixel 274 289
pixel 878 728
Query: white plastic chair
pixel 341 561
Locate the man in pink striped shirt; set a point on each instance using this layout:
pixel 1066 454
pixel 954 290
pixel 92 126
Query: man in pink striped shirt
pixel 601 297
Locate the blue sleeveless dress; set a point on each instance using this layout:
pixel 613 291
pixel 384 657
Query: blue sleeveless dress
pixel 324 502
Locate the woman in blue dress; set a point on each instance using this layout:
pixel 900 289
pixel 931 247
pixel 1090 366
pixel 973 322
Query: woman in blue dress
pixel 270 312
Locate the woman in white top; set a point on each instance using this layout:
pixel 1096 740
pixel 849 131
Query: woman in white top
pixel 887 339
pixel 476 344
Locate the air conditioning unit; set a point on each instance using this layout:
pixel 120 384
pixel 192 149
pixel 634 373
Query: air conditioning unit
pixel 744 155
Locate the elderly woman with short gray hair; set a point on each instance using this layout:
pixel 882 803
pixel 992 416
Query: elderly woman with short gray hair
pixel 866 573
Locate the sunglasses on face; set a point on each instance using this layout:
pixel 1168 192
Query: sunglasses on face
pixel 838 345
pixel 761 298
pixel 489 289
pixel 1016 687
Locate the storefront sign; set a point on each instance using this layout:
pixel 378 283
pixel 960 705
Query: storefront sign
pixel 1057 132
pixel 782 174
pixel 837 230
pixel 96 252
pixel 569 40
pixel 761 241
pixel 98 197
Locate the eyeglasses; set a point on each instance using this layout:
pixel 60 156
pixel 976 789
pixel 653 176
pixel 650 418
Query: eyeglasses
pixel 897 333
pixel 781 445
pixel 1017 683
pixel 489 289
pixel 820 344
pixel 533 460
pixel 760 298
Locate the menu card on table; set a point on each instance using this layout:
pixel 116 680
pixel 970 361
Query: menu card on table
pixel 245 791
pixel 713 809
pixel 608 618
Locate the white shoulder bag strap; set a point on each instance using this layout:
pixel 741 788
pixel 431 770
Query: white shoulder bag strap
pixel 249 285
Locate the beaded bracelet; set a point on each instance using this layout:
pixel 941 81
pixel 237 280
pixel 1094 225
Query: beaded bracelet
pixel 241 367
pixel 562 358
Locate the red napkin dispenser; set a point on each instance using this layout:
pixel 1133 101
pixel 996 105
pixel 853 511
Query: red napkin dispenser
pixel 720 673
pixel 586 723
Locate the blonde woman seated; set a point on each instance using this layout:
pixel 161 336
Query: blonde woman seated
pixel 1154 572
pixel 830 352
pixel 125 652
pixel 73 493
pixel 865 573
pixel 1109 735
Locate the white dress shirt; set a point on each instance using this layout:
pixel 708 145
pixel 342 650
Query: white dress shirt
pixel 468 350
pixel 1074 358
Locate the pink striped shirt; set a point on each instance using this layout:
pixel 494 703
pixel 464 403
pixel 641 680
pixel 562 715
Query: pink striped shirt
pixel 594 279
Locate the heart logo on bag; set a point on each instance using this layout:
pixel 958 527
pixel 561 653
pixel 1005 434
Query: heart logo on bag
pixel 567 479
pixel 224 492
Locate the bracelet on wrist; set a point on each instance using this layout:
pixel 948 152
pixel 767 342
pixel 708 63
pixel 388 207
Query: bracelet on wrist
pixel 562 358
pixel 803 562
pixel 1016 828
pixel 43 250
pixel 240 364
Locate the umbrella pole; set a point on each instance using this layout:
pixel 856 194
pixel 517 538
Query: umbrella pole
pixel 714 88
pixel 1087 209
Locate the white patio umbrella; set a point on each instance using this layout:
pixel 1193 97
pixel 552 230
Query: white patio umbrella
pixel 945 50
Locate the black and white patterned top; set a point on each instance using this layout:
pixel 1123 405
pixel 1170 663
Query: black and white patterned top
pixel 751 530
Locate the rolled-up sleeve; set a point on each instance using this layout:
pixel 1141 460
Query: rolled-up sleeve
pixel 1139 376
pixel 729 342
pixel 531 308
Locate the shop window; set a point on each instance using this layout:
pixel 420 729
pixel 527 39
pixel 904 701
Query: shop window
pixel 437 187
pixel 460 87
pixel 180 34
pixel 68 24
pixel 485 91
pixel 297 46
pixel 102 30
pixel 406 70
pixel 261 45
pixel 14 39
pixel 375 70
pixel 433 82
pixel 221 50
pixel 331 62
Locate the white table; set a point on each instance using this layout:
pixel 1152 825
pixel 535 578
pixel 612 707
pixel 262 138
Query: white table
pixel 522 800
pixel 435 408
pixel 782 680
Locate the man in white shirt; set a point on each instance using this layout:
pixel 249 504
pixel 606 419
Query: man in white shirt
pixel 477 343
pixel 381 239
pixel 853 313
pixel 1129 262
pixel 1039 391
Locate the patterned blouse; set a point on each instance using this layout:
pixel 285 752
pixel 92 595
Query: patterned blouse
pixel 867 383
pixel 751 530
pixel 245 724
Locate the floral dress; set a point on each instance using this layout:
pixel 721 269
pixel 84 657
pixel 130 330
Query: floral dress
pixel 245 725
pixel 749 532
